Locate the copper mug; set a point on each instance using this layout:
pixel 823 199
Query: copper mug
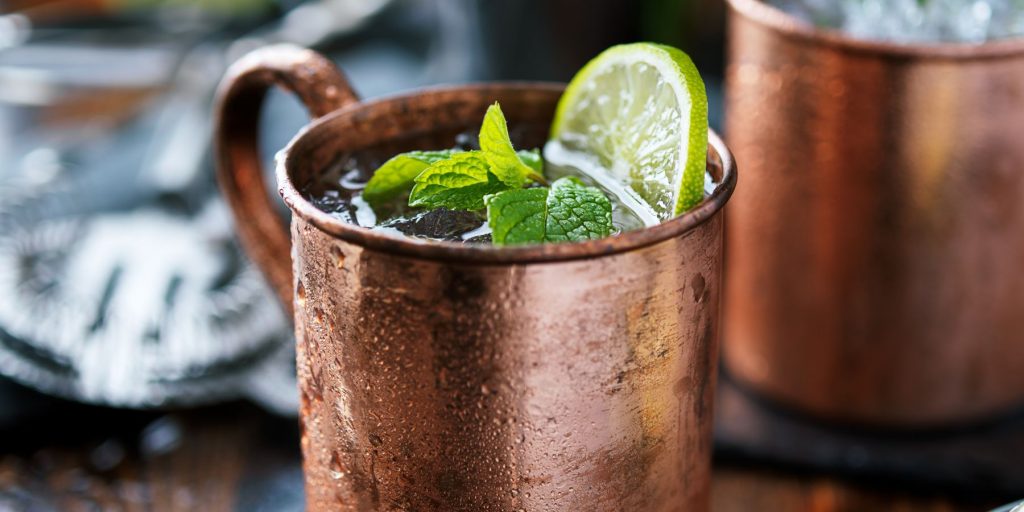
pixel 449 377
pixel 875 252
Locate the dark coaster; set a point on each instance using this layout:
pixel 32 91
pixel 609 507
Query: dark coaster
pixel 980 460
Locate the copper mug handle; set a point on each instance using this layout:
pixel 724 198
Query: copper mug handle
pixel 322 88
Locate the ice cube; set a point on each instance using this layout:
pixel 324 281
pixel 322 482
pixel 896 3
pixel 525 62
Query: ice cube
pixel 914 21
pixel 439 224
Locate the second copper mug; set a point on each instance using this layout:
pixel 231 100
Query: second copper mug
pixel 454 377
pixel 875 253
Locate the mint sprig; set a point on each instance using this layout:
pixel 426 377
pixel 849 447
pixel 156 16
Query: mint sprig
pixel 494 178
pixel 577 212
pixel 567 212
pixel 397 174
pixel 496 146
pixel 457 183
pixel 448 179
pixel 517 216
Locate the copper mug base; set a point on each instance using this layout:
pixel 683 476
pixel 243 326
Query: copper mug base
pixel 461 377
pixel 875 251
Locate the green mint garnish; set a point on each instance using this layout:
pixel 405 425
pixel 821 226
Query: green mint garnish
pixel 577 212
pixel 493 178
pixel 457 183
pixel 567 212
pixel 497 148
pixel 517 216
pixel 439 179
pixel 397 174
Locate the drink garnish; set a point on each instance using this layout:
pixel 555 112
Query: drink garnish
pixel 569 211
pixel 496 147
pixel 457 183
pixel 397 174
pixel 636 115
pixel 640 110
pixel 494 178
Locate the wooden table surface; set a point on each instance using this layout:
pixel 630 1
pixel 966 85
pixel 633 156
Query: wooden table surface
pixel 238 458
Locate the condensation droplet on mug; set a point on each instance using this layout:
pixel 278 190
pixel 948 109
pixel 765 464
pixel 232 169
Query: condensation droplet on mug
pixel 338 256
pixel 337 466
pixel 316 384
pixel 682 386
pixel 698 286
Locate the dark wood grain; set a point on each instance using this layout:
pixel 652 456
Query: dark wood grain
pixel 173 462
pixel 744 490
pixel 237 458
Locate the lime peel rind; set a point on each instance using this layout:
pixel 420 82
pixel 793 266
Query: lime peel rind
pixel 679 71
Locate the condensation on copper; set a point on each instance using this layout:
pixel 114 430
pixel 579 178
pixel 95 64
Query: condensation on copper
pixel 453 387
pixel 879 206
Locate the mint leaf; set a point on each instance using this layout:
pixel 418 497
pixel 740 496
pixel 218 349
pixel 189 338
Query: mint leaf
pixel 577 212
pixel 396 175
pixel 496 147
pixel 458 180
pixel 532 159
pixel 517 216
pixel 567 212
pixel 457 183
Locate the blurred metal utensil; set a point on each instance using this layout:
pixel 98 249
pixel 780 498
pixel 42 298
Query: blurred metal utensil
pixel 108 296
pixel 137 308
pixel 177 152
pixel 45 73
pixel 1012 507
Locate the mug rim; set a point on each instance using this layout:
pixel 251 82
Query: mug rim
pixel 769 16
pixel 487 253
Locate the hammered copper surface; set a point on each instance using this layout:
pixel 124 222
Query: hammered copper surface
pixel 460 377
pixel 580 385
pixel 876 248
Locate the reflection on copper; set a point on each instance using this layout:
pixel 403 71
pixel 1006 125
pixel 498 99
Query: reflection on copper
pixel 875 249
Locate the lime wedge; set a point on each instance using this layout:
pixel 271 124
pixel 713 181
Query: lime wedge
pixel 641 111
